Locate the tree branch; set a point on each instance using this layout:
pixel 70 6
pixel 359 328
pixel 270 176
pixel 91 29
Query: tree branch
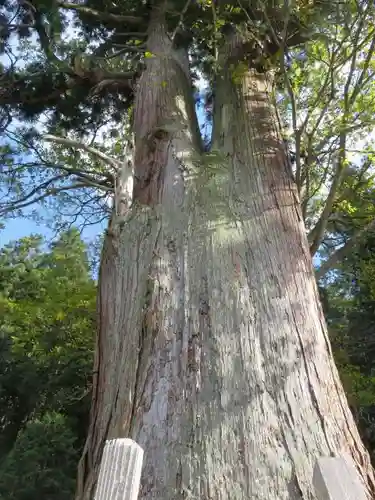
pixel 181 18
pixel 43 38
pixel 28 200
pixel 79 145
pixel 20 202
pixel 361 79
pixel 104 16
pixel 316 234
pixel 342 252
pixel 328 81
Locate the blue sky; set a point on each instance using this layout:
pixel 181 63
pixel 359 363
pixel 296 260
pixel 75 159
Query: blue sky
pixel 25 226
pixel 20 227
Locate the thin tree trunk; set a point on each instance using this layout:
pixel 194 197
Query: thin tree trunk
pixel 212 348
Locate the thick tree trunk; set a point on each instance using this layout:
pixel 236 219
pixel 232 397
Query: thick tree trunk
pixel 212 348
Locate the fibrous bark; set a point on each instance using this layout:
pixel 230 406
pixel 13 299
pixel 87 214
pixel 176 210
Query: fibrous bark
pixel 130 299
pixel 212 349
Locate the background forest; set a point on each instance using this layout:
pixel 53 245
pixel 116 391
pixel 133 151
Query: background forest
pixel 62 83
pixel 47 322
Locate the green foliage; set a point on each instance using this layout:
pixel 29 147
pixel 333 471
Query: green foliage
pixel 350 312
pixel 330 107
pixel 354 206
pixel 42 462
pixel 47 322
pixel 82 77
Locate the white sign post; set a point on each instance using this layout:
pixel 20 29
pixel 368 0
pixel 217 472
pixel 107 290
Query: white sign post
pixel 120 470
pixel 335 479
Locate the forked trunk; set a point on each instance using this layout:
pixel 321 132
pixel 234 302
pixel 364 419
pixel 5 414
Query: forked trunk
pixel 212 348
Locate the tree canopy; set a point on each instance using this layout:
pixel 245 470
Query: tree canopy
pixel 47 322
pixel 69 75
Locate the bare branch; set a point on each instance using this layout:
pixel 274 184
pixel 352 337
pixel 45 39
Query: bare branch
pixel 79 145
pixel 342 252
pixel 185 8
pixel 316 234
pixel 86 181
pixel 31 199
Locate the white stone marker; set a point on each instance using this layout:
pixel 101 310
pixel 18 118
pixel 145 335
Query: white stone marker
pixel 336 479
pixel 120 470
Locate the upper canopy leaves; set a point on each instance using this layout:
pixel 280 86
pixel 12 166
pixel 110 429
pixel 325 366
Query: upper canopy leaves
pixel 76 66
pixel 80 60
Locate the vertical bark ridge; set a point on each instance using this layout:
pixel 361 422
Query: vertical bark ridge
pixel 282 289
pixel 163 110
pixel 124 270
pixel 140 258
